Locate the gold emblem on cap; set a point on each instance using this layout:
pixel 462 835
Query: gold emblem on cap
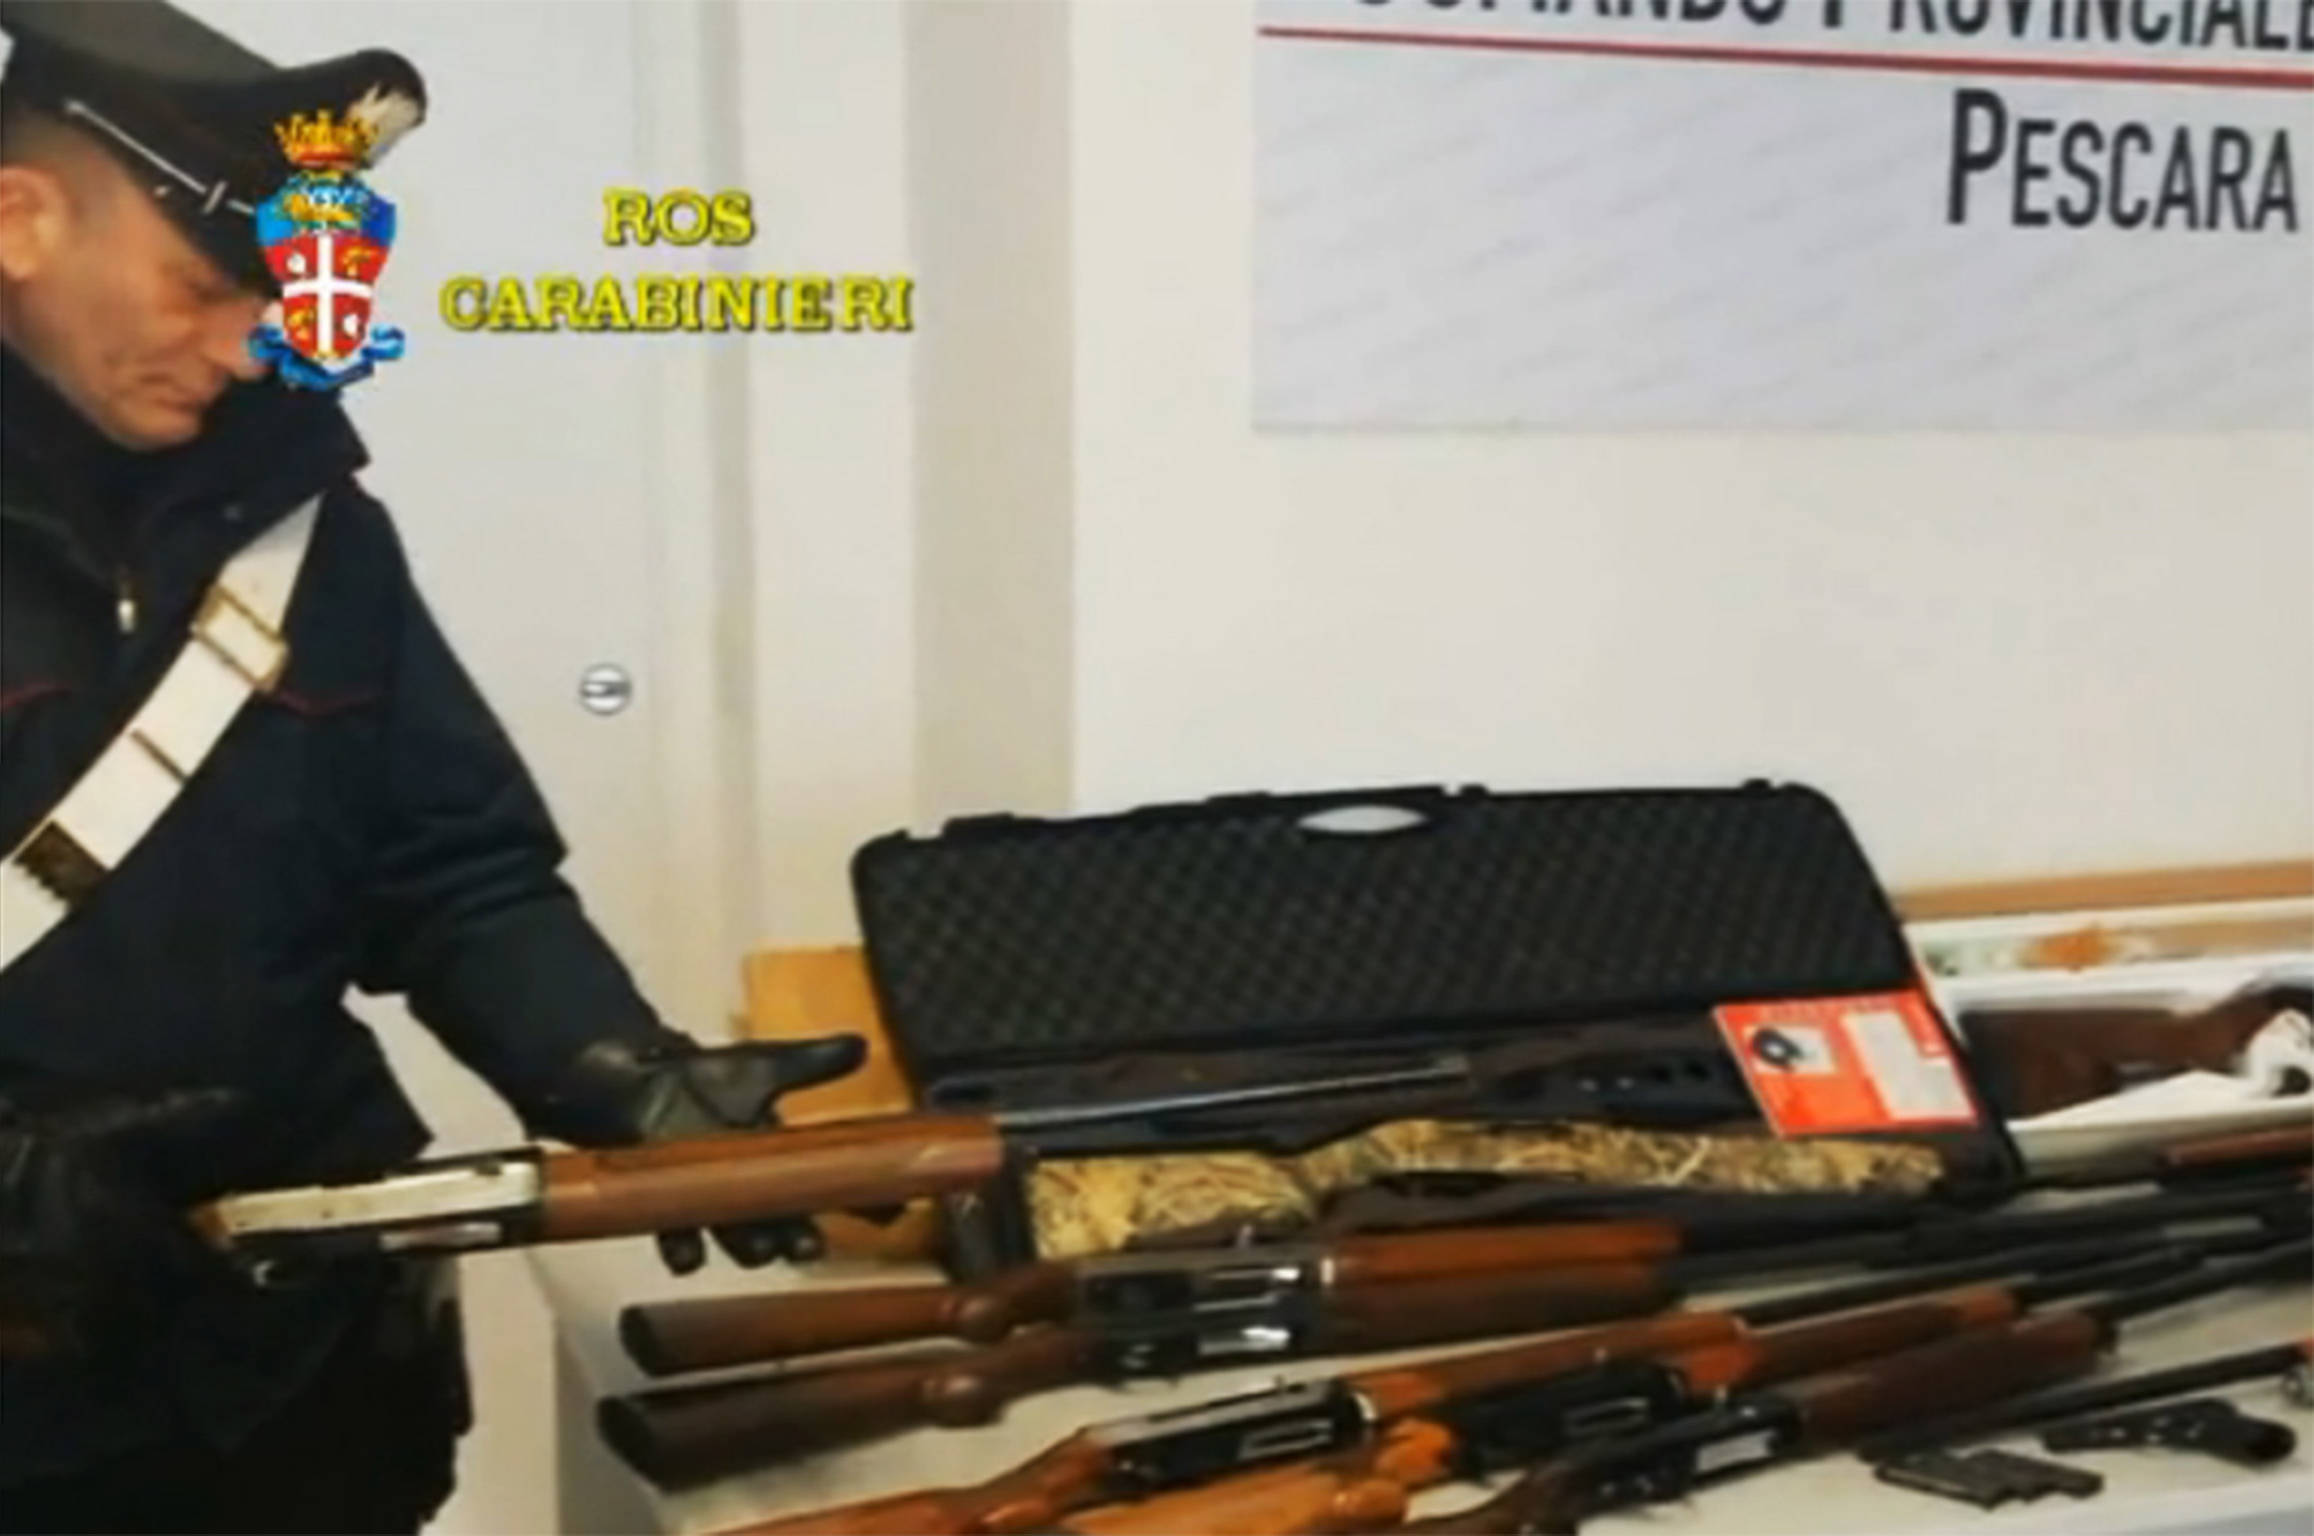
pixel 318 141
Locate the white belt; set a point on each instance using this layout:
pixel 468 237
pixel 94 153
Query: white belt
pixel 236 652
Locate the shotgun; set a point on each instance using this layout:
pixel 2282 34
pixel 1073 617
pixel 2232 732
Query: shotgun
pixel 1137 1457
pixel 1826 1411
pixel 1864 1382
pixel 1421 1201
pixel 687 1434
pixel 1110 1293
pixel 1288 1287
pixel 528 1195
pixel 1487 1434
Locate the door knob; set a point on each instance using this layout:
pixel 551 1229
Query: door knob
pixel 606 689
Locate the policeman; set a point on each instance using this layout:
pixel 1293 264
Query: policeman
pixel 242 773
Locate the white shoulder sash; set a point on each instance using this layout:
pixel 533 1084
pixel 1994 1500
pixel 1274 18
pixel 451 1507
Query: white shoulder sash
pixel 235 652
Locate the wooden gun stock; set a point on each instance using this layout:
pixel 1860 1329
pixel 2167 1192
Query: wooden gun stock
pixel 2039 1060
pixel 1023 1499
pixel 672 1338
pixel 677 1436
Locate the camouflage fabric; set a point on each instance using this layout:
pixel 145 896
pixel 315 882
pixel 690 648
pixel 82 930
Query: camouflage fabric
pixel 1099 1205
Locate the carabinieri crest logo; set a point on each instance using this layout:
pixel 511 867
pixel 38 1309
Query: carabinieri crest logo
pixel 326 237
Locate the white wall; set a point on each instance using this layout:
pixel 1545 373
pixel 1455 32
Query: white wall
pixel 988 97
pixel 1999 653
pixel 831 456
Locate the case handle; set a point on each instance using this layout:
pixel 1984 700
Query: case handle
pixel 1366 819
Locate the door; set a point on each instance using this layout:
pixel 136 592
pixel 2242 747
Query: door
pixel 550 499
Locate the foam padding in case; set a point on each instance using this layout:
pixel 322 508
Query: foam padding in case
pixel 1257 921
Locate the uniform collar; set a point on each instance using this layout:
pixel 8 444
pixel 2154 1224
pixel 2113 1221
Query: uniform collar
pixel 264 449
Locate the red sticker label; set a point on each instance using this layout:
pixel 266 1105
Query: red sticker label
pixel 1878 1062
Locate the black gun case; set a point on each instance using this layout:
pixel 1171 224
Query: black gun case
pixel 1725 958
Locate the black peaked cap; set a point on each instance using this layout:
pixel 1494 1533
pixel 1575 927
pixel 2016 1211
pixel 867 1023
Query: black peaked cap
pixel 188 110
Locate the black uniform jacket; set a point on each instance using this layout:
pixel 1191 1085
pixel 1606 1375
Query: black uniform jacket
pixel 366 826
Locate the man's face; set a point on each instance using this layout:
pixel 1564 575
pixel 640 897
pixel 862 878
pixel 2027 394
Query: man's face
pixel 122 313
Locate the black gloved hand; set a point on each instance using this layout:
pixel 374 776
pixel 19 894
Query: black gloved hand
pixel 90 1246
pixel 619 1093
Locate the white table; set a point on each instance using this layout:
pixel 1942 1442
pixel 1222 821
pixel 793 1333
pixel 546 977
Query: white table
pixel 2145 1490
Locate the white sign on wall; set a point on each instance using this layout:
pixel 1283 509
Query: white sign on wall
pixel 1998 214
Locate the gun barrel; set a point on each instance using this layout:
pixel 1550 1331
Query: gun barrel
pixel 2273 1361
pixel 1452 1070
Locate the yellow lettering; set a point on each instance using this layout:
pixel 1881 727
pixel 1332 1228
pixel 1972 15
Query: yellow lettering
pixel 899 311
pixel 734 218
pixel 690 295
pixel 657 303
pixel 507 309
pixel 463 316
pixel 559 297
pixel 608 311
pixel 626 211
pixel 868 305
pixel 774 304
pixel 681 202
pixel 811 303
pixel 725 294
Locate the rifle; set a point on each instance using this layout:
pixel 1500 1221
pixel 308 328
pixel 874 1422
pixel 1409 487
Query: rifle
pixel 1155 1296
pixel 1825 1411
pixel 1830 1397
pixel 680 1435
pixel 687 1434
pixel 2036 1060
pixel 1109 1292
pixel 1420 1201
pixel 1083 1205
pixel 1481 1436
pixel 1138 1457
pixel 527 1196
